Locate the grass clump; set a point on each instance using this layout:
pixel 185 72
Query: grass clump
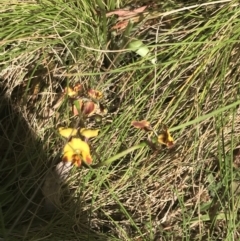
pixel 189 192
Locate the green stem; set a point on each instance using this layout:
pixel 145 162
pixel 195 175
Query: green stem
pixel 204 117
pixel 119 155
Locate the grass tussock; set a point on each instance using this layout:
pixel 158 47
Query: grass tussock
pixel 189 192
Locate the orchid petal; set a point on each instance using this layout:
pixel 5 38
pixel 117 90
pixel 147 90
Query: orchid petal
pixel 165 138
pixel 78 88
pixel 76 109
pixel 67 132
pixel 89 108
pixel 95 94
pixel 76 145
pixel 76 148
pixel 87 133
pixel 70 92
pixel 143 124
pixel 87 158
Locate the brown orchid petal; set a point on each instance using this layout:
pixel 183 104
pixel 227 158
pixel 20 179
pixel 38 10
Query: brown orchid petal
pixel 143 124
pixel 120 25
pixel 73 158
pixel 88 108
pixel 88 159
pixel 125 12
pixel 95 94
pixel 67 157
pixel 170 144
pixel 76 160
pixel 78 88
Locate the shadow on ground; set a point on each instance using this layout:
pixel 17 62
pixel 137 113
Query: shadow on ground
pixel 24 166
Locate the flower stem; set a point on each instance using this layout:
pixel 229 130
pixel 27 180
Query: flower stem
pixel 119 155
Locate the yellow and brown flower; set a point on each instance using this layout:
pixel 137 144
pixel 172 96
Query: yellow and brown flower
pixel 95 94
pixel 76 151
pixel 165 138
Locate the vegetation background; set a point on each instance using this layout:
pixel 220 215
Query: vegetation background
pixel 189 192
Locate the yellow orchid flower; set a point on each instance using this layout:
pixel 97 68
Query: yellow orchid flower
pixel 75 151
pixel 67 132
pixel 70 92
pixel 95 94
pixel 165 138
